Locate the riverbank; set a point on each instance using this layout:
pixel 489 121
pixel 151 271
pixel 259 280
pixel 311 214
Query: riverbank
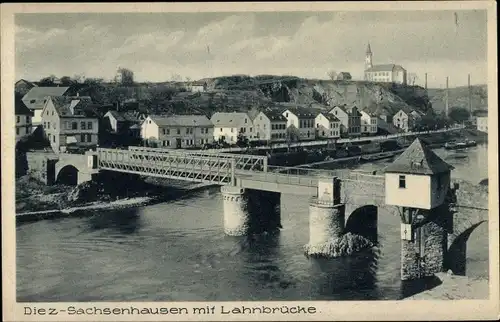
pixel 61 201
pixel 454 287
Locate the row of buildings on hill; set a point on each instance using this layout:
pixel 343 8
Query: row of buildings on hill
pixel 68 119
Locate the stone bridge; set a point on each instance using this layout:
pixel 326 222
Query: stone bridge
pixel 74 168
pixel 340 203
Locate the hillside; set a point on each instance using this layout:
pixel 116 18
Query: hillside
pixel 459 97
pixel 242 93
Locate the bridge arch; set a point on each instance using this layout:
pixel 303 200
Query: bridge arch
pixel 67 175
pixel 363 221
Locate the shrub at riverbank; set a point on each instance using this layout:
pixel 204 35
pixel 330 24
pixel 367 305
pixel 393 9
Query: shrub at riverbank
pixel 32 195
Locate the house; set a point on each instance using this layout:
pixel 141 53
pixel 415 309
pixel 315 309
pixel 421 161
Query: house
pixel 178 131
pixel 121 122
pixel 23 86
pixel 350 119
pixel 36 100
pixel 302 121
pixel 404 119
pixel 270 125
pixel 344 76
pixel 23 119
pixel 70 122
pixel 227 126
pixel 418 178
pixel 327 125
pixel 482 123
pixel 369 123
pixel 385 117
pixel 198 86
pixel 387 73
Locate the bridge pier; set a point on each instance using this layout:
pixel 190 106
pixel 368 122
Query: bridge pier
pixel 249 211
pixel 326 220
pixel 424 242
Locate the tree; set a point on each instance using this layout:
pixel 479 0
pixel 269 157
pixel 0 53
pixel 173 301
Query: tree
pixel 242 140
pixel 459 114
pixel 66 80
pixel 332 74
pixel 47 81
pixel 126 76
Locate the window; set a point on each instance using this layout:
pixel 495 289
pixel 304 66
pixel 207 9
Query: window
pixel 54 138
pixel 187 130
pixel 32 101
pixel 48 125
pixel 89 125
pixel 286 114
pixel 89 138
pixel 251 129
pixel 245 121
pixel 231 130
pixel 178 131
pixel 17 131
pixel 74 126
pixel 221 129
pixel 27 119
pixel 168 142
pixel 402 182
pixel 52 113
pixel 18 119
pixel 168 132
pixel 83 125
pixel 163 134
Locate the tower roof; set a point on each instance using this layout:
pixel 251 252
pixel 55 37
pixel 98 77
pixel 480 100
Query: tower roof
pixel 368 49
pixel 418 158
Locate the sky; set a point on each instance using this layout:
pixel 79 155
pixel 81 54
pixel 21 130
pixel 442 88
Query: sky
pixel 159 46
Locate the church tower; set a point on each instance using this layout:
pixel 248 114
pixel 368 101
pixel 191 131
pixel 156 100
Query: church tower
pixel 368 58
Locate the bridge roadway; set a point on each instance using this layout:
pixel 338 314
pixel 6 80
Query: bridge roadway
pixel 245 171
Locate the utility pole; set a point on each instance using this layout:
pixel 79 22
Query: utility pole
pixel 446 98
pixel 425 81
pixel 470 96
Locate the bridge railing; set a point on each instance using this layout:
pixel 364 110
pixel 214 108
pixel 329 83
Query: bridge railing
pixel 175 166
pixel 242 161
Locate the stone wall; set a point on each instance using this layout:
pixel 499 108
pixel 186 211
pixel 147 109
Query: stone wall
pixel 41 166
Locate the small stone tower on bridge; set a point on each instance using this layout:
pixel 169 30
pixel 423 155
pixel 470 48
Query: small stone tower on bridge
pixel 418 183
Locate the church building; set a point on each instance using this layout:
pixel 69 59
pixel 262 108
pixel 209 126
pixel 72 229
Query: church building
pixel 386 73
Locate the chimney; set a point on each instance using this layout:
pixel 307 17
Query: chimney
pixel 446 98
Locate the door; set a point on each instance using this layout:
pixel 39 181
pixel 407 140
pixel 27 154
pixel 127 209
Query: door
pixel 178 144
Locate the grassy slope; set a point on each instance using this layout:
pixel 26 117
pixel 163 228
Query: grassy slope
pixel 459 97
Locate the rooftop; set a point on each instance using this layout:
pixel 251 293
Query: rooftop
pixel 384 68
pixel 41 92
pixel 418 158
pixel 21 108
pixel 274 115
pixel 181 120
pixel 78 106
pixel 303 111
pixel 236 119
pixel 330 117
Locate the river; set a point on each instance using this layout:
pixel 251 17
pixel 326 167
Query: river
pixel 177 251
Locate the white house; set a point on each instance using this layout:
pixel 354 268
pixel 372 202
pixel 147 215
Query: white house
pixel 404 120
pixel 302 120
pixel 198 86
pixel 227 126
pixel 350 119
pixel 369 123
pixel 177 131
pixel 270 125
pixel 36 98
pixel 418 178
pixel 482 123
pixel 70 122
pixel 327 125
pixel 388 73
pixel 23 119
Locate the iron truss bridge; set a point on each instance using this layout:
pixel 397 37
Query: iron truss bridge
pixel 218 168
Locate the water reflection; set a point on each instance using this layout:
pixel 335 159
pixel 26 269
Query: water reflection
pixel 124 221
pixel 348 276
